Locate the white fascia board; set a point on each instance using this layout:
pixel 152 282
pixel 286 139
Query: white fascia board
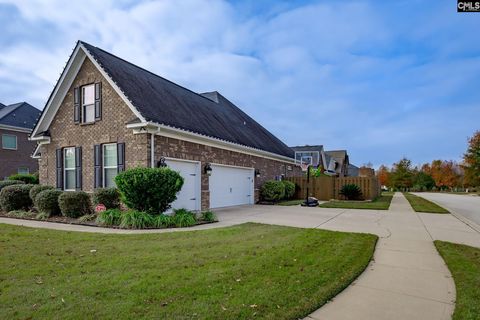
pixel 180 134
pixel 113 84
pixel 13 128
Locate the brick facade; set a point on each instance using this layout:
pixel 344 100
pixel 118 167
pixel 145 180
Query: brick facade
pixel 112 128
pixel 11 160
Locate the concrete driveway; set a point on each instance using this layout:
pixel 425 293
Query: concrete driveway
pixel 466 205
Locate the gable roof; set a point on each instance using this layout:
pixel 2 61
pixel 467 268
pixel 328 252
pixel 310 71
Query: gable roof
pixel 318 148
pixel 161 101
pixel 20 115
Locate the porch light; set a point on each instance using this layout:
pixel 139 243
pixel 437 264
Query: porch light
pixel 161 163
pixel 207 169
pixel 257 173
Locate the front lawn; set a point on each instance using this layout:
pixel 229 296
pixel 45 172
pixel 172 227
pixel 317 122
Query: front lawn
pixel 239 272
pixel 295 202
pixel 464 264
pixel 380 203
pixel 420 204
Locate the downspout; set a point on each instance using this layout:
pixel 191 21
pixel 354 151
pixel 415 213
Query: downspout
pixel 152 150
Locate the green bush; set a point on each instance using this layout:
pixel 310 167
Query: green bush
pixel 20 214
pixel 184 218
pixel 26 178
pixel 110 197
pixel 110 217
pixel 351 191
pixel 149 189
pixel 74 204
pixel 289 189
pixel 37 189
pixel 209 216
pixel 133 219
pixel 163 221
pixel 16 197
pixel 273 190
pixel 5 183
pixel 47 202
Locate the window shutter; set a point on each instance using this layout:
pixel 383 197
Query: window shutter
pixel 78 168
pixel 121 157
pixel 76 105
pixel 97 161
pixel 59 160
pixel 98 101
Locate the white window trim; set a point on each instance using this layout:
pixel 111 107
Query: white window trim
pixel 16 141
pixel 27 169
pixel 104 181
pixel 65 169
pixel 84 106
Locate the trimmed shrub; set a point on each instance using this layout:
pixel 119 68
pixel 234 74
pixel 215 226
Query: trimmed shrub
pixel 163 221
pixel 5 183
pixel 209 216
pixel 110 197
pixel 74 204
pixel 273 190
pixel 133 219
pixel 25 177
pixel 184 218
pixel 351 191
pixel 149 189
pixel 37 189
pixel 47 202
pixel 289 189
pixel 16 197
pixel 20 214
pixel 110 217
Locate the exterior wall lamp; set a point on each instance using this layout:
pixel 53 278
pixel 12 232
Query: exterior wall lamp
pixel 207 169
pixel 257 173
pixel 161 163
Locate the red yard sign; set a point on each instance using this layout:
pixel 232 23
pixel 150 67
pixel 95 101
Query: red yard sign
pixel 100 207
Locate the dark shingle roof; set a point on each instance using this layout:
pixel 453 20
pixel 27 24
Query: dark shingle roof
pixel 20 114
pixel 162 101
pixel 308 148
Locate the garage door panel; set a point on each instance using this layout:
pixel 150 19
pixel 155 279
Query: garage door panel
pixel 230 186
pixel 189 195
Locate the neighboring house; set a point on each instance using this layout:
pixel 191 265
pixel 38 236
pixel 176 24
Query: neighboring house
pixel 366 172
pixel 353 170
pixel 106 115
pixel 338 162
pixel 16 122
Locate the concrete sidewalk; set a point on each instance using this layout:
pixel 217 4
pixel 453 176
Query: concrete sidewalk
pixel 407 279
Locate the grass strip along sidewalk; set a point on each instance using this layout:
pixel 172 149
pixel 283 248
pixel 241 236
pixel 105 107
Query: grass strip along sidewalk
pixel 420 204
pixel 464 264
pixel 240 272
pixel 380 203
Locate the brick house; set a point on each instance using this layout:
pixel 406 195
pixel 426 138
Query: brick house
pixel 16 122
pixel 106 115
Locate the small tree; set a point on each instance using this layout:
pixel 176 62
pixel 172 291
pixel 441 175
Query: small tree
pixel 471 160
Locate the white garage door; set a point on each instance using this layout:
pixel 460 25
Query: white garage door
pixel 230 186
pixel 189 196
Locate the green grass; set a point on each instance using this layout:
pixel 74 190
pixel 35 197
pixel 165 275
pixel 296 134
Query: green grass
pixel 420 204
pixel 239 272
pixel 380 203
pixel 464 264
pixel 295 202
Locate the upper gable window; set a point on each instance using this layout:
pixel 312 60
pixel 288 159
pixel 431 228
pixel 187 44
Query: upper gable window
pixel 88 103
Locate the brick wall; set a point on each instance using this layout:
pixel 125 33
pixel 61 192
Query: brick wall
pixel 111 128
pixel 11 160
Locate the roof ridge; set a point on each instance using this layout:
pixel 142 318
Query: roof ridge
pixel 14 106
pixel 141 68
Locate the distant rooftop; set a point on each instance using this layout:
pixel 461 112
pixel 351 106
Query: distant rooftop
pixel 21 115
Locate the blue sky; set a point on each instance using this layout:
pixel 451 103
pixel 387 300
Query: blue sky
pixel 382 79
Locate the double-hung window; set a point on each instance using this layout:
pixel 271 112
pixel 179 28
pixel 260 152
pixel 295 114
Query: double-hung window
pixel 69 181
pixel 88 103
pixel 23 170
pixel 110 163
pixel 9 141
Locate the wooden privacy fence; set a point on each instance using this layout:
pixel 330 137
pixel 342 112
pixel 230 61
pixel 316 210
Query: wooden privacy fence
pixel 326 188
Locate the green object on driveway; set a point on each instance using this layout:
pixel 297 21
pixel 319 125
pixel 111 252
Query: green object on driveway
pixel 240 272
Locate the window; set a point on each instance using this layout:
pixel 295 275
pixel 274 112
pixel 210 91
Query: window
pixel 109 164
pixel 69 169
pixel 9 141
pixel 88 103
pixel 23 170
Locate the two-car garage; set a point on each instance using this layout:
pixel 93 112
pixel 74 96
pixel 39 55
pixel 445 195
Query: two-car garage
pixel 228 185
